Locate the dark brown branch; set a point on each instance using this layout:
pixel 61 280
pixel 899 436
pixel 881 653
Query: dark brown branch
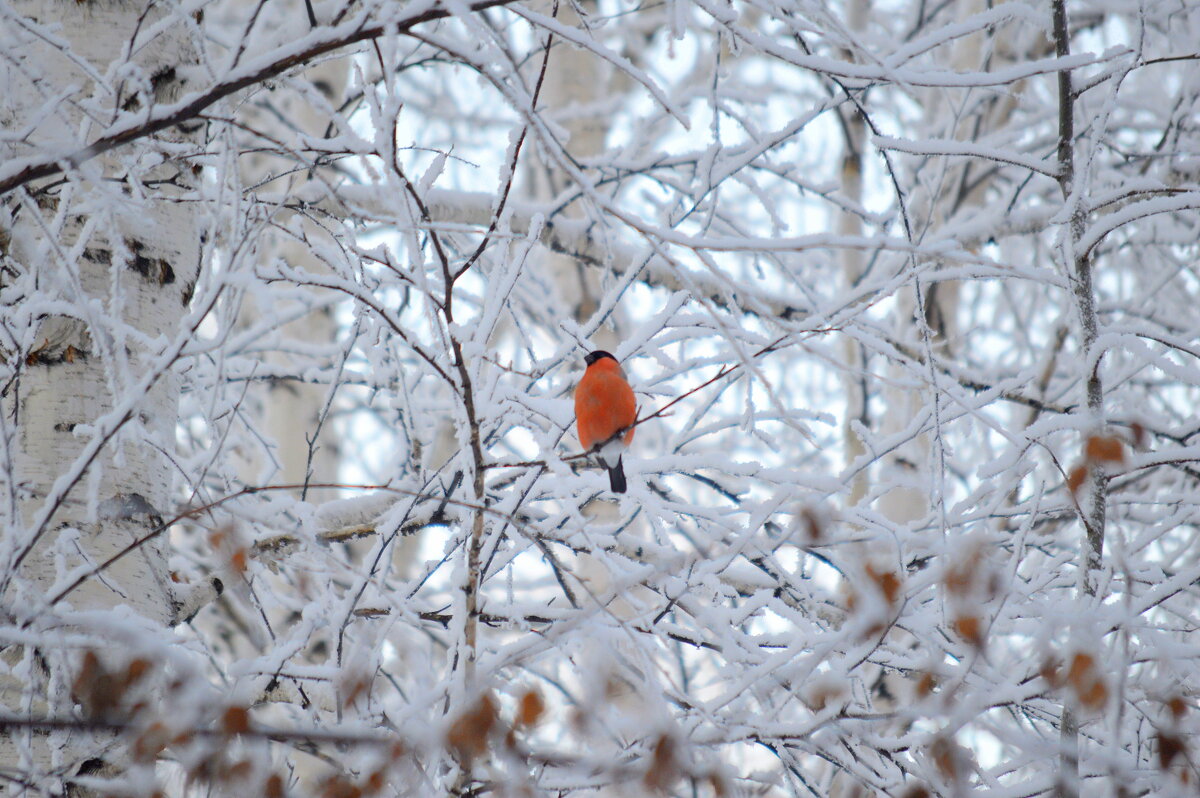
pixel 276 735
pixel 182 112
pixel 277 542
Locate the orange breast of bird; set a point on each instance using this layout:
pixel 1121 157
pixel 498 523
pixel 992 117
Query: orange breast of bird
pixel 604 403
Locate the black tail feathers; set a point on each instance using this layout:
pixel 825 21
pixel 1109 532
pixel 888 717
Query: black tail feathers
pixel 616 477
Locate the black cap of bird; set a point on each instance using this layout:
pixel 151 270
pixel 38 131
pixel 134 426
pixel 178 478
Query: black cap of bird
pixel 605 405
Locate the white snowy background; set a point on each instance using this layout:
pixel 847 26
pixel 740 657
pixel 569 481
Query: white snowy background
pixel 293 298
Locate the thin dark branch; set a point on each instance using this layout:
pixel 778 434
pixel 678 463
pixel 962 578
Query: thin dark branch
pixel 183 111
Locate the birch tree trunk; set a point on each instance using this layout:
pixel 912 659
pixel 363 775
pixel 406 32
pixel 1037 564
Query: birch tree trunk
pixel 296 410
pixel 577 85
pixel 908 478
pixel 98 269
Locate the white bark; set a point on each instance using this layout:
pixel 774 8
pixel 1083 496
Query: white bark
pixel 107 267
pixel 576 86
pixel 296 412
pixel 852 263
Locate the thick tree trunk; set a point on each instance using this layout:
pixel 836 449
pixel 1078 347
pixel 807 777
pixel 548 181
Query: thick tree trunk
pixel 296 412
pixel 576 84
pixel 98 269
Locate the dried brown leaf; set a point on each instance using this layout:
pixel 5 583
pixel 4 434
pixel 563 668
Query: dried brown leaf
pixel 926 684
pixel 375 782
pixel 239 770
pixel 1104 449
pixel 822 693
pixel 235 720
pixel 530 707
pixel 663 768
pixel 353 687
pixel 1087 682
pixel 1050 671
pixel 338 787
pixel 1139 434
pixel 274 787
pixel 812 524
pixel 945 756
pixel 887 581
pixel 719 784
pixel 96 690
pixel 150 743
pixel 1169 747
pixel 137 669
pixel 1076 477
pixel 238 560
pixel 468 735
pixel 969 628
pixel 960 577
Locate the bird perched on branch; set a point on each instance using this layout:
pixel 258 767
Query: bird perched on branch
pixel 604 406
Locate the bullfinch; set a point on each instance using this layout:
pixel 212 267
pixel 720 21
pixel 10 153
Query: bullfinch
pixel 605 405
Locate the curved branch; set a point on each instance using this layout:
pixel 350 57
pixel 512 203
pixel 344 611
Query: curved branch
pixel 16 173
